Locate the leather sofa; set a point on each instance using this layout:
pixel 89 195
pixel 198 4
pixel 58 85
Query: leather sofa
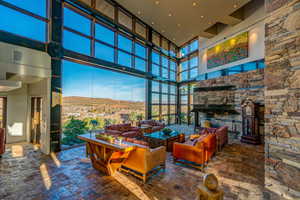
pixel 124 130
pixel 135 141
pixel 221 134
pixel 2 141
pixel 143 161
pixel 155 125
pixel 197 152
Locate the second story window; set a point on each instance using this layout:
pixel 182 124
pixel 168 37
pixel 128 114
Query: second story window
pixel 189 64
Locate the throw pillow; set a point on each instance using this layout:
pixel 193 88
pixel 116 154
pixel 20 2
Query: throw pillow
pixel 199 140
pixel 194 136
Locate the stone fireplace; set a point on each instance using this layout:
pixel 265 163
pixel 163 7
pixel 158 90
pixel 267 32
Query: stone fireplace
pixel 219 100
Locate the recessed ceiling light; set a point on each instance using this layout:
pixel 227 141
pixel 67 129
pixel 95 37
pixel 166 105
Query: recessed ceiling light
pixel 178 25
pixel 194 4
pixel 170 15
pixel 139 12
pixel 156 2
pixel 235 6
pixel 152 23
pixel 163 31
pixel 202 16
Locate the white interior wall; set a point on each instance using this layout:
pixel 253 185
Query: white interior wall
pixel 17 112
pixel 254 23
pixel 27 64
pixel 30 62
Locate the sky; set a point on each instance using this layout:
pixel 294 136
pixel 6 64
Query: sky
pixel 87 81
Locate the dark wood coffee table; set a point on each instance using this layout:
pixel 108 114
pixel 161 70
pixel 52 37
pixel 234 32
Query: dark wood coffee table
pixel 157 139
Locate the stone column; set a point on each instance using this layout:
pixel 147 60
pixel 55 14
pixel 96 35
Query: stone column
pixel 282 99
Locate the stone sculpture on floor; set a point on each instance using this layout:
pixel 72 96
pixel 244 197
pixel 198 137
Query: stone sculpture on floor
pixel 209 189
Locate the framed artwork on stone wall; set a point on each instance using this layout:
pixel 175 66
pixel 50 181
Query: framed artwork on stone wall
pixel 231 50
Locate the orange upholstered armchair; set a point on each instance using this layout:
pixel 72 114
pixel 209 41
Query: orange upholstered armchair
pixel 143 160
pixel 196 152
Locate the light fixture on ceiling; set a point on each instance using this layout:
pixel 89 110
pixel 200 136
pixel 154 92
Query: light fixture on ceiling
pixel 139 12
pixel 202 16
pixel 170 14
pixel 194 4
pixel 235 6
pixel 152 23
pixel 163 31
pixel 178 25
pixel 156 2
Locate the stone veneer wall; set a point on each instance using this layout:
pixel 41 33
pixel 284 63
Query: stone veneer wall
pixel 282 82
pixel 248 85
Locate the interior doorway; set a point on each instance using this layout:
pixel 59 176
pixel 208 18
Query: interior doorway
pixel 3 111
pixel 36 119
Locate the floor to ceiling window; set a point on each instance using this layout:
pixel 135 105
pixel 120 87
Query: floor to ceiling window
pixel 28 18
pixel 188 71
pixel 184 103
pixel 105 42
pixel 164 102
pixel 189 62
pixel 164 64
pixel 97 95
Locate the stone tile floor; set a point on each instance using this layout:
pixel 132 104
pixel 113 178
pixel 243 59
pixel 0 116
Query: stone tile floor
pixel 25 173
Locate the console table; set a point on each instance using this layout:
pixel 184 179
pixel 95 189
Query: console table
pixel 106 157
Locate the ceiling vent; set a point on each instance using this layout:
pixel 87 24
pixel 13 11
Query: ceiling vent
pixel 17 56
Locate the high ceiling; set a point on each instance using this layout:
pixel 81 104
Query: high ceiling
pixel 182 20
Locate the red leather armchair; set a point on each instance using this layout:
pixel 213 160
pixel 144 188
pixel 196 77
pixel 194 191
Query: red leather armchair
pixel 155 125
pixel 124 130
pixel 221 134
pixel 196 152
pixel 2 141
pixel 222 137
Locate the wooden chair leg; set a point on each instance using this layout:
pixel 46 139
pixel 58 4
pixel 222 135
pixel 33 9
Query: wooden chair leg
pixel 87 150
pixel 144 178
